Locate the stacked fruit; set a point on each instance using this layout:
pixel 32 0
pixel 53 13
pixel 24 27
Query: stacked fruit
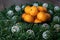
pixel 35 14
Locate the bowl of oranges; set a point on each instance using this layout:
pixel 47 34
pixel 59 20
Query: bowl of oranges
pixel 35 14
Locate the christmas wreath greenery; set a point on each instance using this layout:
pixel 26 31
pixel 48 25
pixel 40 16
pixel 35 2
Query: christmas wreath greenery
pixel 12 27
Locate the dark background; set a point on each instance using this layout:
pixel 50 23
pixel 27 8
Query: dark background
pixel 8 3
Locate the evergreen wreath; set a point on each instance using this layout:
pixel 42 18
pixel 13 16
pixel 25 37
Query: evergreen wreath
pixel 12 27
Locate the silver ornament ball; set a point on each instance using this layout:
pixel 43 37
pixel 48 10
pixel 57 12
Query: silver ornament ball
pixel 50 11
pixel 56 8
pixel 30 32
pixel 23 6
pixel 45 25
pixel 17 8
pixel 35 4
pixel 57 27
pixel 56 18
pixel 10 13
pixel 15 29
pixel 45 5
pixel 45 34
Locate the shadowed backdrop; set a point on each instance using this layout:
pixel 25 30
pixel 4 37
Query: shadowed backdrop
pixel 8 3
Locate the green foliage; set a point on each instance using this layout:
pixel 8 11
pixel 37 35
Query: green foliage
pixel 6 24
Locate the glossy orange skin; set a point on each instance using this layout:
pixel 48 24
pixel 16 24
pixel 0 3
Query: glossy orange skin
pixel 42 9
pixel 48 16
pixel 33 11
pixel 28 18
pixel 42 16
pixel 23 15
pixel 27 9
pixel 37 21
pixel 35 14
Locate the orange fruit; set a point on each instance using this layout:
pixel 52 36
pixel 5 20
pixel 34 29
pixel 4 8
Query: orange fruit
pixel 33 11
pixel 42 16
pixel 37 21
pixel 27 9
pixel 28 18
pixel 48 16
pixel 43 9
pixel 23 15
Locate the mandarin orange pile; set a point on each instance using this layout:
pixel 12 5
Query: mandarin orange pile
pixel 35 14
